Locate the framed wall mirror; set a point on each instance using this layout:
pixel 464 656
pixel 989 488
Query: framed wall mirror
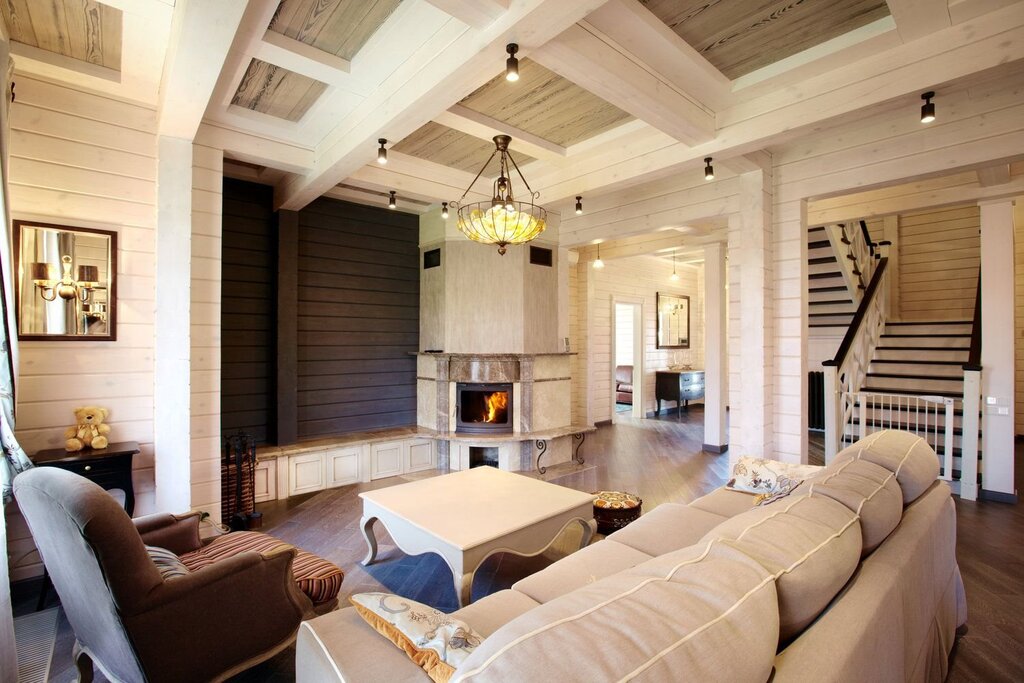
pixel 673 321
pixel 66 286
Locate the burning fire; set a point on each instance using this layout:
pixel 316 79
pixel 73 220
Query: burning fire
pixel 497 404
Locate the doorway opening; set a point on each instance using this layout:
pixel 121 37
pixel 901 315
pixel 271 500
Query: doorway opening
pixel 627 359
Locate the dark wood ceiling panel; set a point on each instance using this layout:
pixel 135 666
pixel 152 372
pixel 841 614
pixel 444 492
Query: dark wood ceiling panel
pixel 545 104
pixel 452 148
pixel 740 36
pixel 277 92
pixel 340 27
pixel 81 29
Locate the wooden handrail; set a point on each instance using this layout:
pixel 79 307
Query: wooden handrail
pixel 858 318
pixel 867 238
pixel 974 357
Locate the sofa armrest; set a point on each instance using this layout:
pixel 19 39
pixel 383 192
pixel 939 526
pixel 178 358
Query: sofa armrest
pixel 240 608
pixel 177 533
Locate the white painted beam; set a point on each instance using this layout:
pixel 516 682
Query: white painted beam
pixel 423 180
pixel 485 127
pixel 301 58
pixel 589 59
pixel 256 150
pixel 918 18
pixel 475 13
pixel 201 36
pixel 994 175
pixel 376 198
pixel 427 84
pixel 760 160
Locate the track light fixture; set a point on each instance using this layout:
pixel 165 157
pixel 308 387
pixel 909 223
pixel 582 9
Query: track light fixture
pixel 598 264
pixel 579 205
pixel 511 64
pixel 382 153
pixel 392 202
pixel 928 108
pixel 709 170
pixel 444 210
pixel 675 275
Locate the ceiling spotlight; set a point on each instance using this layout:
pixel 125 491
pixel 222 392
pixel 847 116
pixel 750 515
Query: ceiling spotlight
pixel 444 210
pixel 675 275
pixel 392 202
pixel 598 264
pixel 579 205
pixel 382 153
pixel 709 170
pixel 511 64
pixel 928 108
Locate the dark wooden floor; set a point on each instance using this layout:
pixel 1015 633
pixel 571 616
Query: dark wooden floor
pixel 660 460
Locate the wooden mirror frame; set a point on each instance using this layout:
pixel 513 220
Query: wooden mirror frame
pixel 657 318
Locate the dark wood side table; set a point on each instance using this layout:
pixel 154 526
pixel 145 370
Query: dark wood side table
pixel 680 386
pixel 110 467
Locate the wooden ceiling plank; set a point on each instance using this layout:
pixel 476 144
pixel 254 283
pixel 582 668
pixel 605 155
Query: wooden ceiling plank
pixel 917 18
pixel 485 128
pixel 588 60
pixel 19 21
pixel 339 27
pixel 446 146
pixel 201 45
pixel 301 58
pixel 68 64
pixel 419 90
pixel 477 14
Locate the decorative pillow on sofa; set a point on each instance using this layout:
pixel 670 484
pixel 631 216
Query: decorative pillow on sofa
pixel 434 640
pixel 167 563
pixel 769 479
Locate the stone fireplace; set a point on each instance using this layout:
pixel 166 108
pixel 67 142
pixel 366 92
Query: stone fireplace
pixel 482 408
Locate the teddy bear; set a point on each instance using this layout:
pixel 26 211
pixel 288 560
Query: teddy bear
pixel 89 432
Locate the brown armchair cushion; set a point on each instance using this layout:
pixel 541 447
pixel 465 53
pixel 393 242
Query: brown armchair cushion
pixel 319 579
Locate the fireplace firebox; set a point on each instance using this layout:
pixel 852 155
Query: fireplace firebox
pixel 483 408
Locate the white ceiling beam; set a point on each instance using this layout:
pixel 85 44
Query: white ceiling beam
pixel 593 62
pixel 918 18
pixel 256 150
pixel 74 68
pixel 760 160
pixel 994 175
pixel 474 13
pixel 294 55
pixel 638 31
pixel 484 127
pixel 427 84
pixel 378 198
pixel 201 37
pixel 418 178
pixel 247 41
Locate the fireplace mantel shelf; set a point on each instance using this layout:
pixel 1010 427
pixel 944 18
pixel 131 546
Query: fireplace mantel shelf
pixel 490 356
pixel 506 437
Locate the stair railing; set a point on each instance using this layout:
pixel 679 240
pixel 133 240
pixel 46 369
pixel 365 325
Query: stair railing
pixel 845 374
pixel 972 407
pixel 855 253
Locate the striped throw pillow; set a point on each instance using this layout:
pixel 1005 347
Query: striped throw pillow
pixel 167 563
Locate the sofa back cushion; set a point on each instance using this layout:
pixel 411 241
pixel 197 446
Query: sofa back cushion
pixel 810 543
pixel 909 456
pixel 701 613
pixel 871 492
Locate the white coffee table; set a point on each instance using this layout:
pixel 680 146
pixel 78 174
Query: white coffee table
pixel 467 516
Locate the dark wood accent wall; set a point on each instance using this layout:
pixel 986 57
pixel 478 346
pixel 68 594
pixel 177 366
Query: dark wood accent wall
pixel 248 305
pixel 358 318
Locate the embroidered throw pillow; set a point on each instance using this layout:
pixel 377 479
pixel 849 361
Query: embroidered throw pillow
pixel 769 479
pixel 167 563
pixel 434 640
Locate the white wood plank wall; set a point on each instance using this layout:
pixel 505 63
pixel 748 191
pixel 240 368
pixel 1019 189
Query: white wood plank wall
pixel 83 159
pixel 207 204
pixel 1018 347
pixel 940 254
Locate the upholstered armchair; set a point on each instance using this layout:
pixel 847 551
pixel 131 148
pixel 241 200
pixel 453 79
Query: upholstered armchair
pixel 624 384
pixel 240 602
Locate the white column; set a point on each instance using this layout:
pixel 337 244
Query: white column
pixel 716 374
pixel 172 383
pixel 997 359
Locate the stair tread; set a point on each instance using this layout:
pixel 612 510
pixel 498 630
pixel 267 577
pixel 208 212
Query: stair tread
pixel 926 336
pixel 899 375
pixel 933 322
pixel 837 288
pixel 820 244
pixel 829 315
pixel 830 302
pixel 820 228
pixel 827 325
pixel 909 392
pixel 921 348
pixel 917 362
pixel 820 260
pixel 824 276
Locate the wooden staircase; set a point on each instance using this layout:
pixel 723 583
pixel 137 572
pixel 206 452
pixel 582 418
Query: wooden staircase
pixel 830 305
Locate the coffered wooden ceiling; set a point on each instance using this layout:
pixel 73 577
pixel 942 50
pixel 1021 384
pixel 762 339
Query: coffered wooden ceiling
pixel 448 147
pixel 740 36
pixel 340 27
pixel 81 29
pixel 277 92
pixel 546 105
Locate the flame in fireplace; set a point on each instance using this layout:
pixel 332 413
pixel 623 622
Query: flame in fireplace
pixel 497 404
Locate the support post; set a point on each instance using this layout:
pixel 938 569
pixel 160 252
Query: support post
pixel 716 357
pixel 832 420
pixel 969 438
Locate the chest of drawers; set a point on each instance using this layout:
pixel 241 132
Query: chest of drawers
pixel 680 386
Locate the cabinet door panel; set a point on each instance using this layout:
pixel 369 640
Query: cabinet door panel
pixel 343 466
pixel 305 473
pixel 266 480
pixel 421 455
pixel 386 459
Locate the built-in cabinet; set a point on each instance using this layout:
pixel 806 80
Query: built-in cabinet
pixel 391 458
pixel 265 480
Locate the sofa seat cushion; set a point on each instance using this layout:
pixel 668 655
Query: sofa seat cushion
pixel 319 579
pixel 725 502
pixel 594 562
pixel 696 614
pixel 909 456
pixel 624 387
pixel 490 613
pixel 668 527
pixel 869 490
pixel 811 544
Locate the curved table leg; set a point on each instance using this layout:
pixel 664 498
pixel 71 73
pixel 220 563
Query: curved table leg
pixel 371 541
pixel 589 529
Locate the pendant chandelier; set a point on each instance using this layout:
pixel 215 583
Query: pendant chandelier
pixel 503 220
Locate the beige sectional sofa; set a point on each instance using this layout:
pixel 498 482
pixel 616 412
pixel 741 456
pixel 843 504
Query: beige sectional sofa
pixel 852 577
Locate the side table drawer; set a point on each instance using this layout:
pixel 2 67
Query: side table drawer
pixel 92 470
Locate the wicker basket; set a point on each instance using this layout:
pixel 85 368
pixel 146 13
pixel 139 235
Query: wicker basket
pixel 613 510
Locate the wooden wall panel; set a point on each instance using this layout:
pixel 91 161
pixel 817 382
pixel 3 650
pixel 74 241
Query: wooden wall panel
pixel 358 318
pixel 248 305
pixel 939 257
